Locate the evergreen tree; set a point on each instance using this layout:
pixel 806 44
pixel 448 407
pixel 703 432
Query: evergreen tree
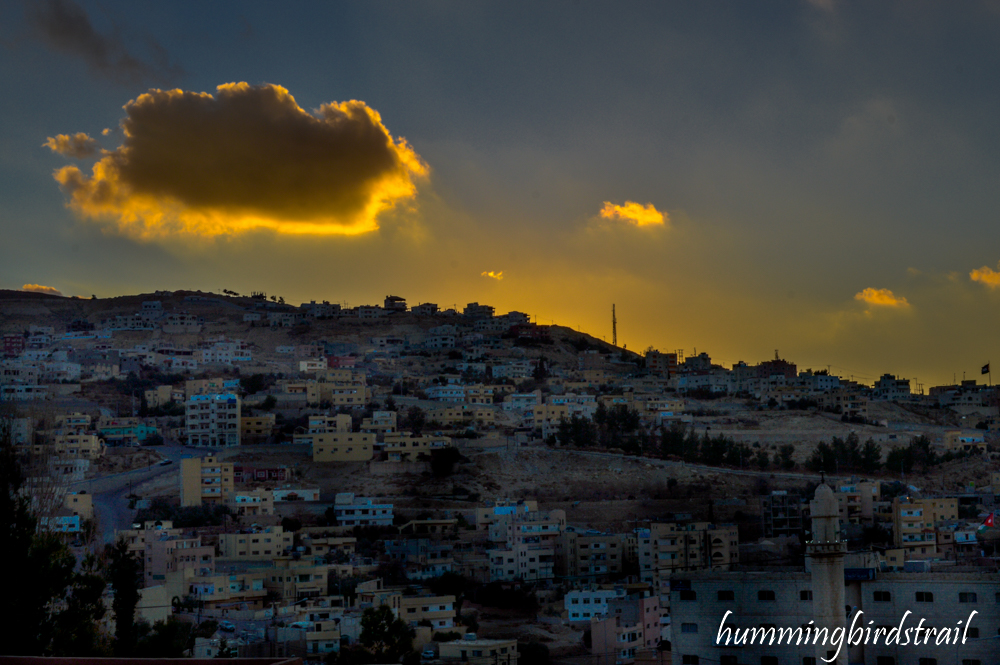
pixel 124 574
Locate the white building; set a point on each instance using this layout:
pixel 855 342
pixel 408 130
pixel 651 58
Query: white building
pixel 213 421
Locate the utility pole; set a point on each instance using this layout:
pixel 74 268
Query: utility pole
pixel 614 327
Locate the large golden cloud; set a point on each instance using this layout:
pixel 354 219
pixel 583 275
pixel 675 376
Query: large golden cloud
pixel 987 276
pixel 197 164
pixel 881 298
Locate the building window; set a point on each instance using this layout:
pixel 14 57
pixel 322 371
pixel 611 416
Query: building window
pixel 728 660
pixel 925 597
pixel 768 660
pixel 967 597
pixel 808 660
pixel 689 660
pixel 885 660
pixel 971 661
pixel 806 594
pixel 689 628
pixel 729 595
pixel 882 597
pixel 689 595
pixel 973 632
pixel 765 594
pixel 927 661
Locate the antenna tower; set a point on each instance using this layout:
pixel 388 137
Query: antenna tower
pixel 614 327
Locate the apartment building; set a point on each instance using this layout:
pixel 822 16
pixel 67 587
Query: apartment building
pixel 205 480
pixel 297 578
pixel 479 651
pixel 629 627
pixel 670 547
pixel 169 553
pixel 423 558
pixel 322 425
pixel 589 554
pixel 255 543
pixel 213 421
pixel 80 503
pixel 381 422
pixel 528 545
pixel 917 525
pixel 78 446
pixel 405 447
pixel 251 503
pixel 240 590
pixel 460 414
pixel 137 536
pixel 438 610
pixel 582 605
pixel 257 428
pixel 782 514
pixel 343 447
pixel 361 511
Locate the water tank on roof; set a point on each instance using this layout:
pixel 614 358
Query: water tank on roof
pixel 471 637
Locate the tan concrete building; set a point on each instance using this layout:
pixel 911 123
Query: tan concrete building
pixel 343 447
pixel 916 522
pixel 78 446
pixel 168 553
pixel 589 554
pixel 405 447
pixel 80 503
pixel 251 503
pixel 479 652
pixel 205 480
pixel 459 414
pixel 669 547
pixel 256 429
pixel 260 543
pixel 294 579
pixel 438 610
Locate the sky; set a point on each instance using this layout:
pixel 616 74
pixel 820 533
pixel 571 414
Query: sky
pixel 818 178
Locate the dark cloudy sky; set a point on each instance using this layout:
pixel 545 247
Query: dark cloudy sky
pixel 815 177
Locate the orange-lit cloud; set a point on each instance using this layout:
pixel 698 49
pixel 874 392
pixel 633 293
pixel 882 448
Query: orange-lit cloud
pixel 634 213
pixel 495 275
pixel 987 276
pixel 248 157
pixel 38 288
pixel 79 145
pixel 881 298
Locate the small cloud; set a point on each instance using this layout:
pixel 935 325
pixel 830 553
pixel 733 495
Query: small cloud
pixel 634 213
pixel 106 131
pixel 494 275
pixel 881 298
pixel 65 26
pixel 987 276
pixel 78 146
pixel 38 288
pixel 196 165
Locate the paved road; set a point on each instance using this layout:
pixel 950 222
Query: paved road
pixel 111 492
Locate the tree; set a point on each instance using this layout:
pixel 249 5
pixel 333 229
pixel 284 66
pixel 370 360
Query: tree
pixel 124 574
pixel 871 457
pixel 77 631
pixel 385 636
pixel 42 565
pixel 785 458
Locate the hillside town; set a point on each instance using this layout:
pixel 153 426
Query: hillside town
pixel 502 490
